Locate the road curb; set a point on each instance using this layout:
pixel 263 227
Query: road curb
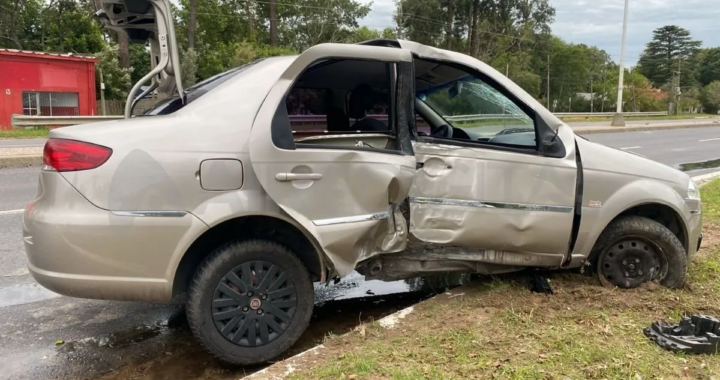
pixel 282 369
pixel 639 128
pixel 705 178
pixel 20 161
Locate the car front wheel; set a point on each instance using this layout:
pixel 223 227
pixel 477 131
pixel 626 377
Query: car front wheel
pixel 250 301
pixel 634 250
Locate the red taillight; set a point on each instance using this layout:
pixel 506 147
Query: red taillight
pixel 70 155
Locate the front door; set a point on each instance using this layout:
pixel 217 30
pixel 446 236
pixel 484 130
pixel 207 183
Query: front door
pixel 485 180
pixel 345 195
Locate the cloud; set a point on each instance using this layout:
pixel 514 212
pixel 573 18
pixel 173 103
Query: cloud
pixel 599 23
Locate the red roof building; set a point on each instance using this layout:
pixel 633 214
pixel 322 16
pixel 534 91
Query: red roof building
pixel 49 84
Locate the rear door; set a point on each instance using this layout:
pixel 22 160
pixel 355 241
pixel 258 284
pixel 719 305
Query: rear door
pixel 347 197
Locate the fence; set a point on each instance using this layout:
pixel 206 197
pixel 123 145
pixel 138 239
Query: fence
pixel 117 106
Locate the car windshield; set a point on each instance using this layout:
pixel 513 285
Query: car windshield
pixel 474 106
pixel 174 103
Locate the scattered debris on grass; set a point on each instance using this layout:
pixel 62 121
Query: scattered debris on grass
pixel 697 334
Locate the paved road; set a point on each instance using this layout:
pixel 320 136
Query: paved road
pixel 100 336
pixel 673 147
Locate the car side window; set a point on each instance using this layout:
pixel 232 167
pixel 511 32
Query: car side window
pixel 476 111
pixel 342 96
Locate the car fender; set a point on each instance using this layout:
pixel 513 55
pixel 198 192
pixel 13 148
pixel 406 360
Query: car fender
pixel 596 215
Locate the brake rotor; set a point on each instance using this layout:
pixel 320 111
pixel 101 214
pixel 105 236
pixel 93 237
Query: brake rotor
pixel 629 263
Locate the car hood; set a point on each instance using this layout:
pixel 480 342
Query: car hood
pixel 598 157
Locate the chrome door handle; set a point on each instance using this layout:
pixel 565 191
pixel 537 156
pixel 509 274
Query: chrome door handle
pixel 285 177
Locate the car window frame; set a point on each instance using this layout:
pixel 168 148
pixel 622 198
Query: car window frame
pixel 279 131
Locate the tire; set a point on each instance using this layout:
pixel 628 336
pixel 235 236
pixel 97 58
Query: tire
pixel 251 262
pixel 628 239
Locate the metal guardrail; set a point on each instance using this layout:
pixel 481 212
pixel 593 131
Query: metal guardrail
pixel 591 114
pixel 35 121
pixel 19 121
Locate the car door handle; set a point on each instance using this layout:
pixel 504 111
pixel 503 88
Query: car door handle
pixel 285 177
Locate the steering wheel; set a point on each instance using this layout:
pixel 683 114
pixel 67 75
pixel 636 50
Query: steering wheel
pixel 443 131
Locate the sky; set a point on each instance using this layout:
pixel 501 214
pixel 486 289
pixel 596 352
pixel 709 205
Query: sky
pixel 599 22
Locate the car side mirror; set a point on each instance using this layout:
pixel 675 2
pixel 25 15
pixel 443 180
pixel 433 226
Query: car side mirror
pixel 550 143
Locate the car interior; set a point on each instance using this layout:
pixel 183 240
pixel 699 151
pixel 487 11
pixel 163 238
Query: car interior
pixel 339 100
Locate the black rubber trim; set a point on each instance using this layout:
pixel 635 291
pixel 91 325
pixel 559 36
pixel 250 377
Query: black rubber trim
pixel 405 101
pixel 577 218
pixel 280 129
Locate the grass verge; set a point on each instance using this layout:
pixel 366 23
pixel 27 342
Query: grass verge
pixel 636 118
pixel 496 328
pixel 24 133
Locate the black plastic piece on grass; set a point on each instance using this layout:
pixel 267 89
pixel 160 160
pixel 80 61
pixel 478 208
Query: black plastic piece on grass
pixel 540 284
pixel 698 334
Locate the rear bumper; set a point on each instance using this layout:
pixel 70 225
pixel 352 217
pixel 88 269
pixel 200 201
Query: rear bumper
pixel 76 249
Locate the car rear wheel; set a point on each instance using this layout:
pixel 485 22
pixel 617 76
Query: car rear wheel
pixel 250 301
pixel 634 250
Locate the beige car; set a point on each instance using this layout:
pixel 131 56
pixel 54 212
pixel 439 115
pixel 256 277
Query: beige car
pixel 386 157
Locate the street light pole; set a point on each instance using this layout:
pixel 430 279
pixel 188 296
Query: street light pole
pixel 618 120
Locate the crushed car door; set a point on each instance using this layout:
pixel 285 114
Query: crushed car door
pixel 151 22
pixel 347 196
pixel 484 182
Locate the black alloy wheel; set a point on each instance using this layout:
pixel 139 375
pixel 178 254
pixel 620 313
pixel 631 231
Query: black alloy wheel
pixel 254 303
pixel 250 301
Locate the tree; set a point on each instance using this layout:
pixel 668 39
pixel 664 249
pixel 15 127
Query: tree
pixel 139 61
pixel 667 55
pixel 116 78
pixel 711 97
pixel 192 22
pixel 709 66
pixel 273 22
pixel 188 67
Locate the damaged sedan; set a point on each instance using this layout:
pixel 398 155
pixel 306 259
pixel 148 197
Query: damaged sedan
pixel 386 157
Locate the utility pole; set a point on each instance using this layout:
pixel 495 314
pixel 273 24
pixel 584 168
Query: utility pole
pixel 548 82
pixel 102 91
pixel 592 94
pixel 618 120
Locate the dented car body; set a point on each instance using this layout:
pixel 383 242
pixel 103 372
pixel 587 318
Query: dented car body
pixel 465 171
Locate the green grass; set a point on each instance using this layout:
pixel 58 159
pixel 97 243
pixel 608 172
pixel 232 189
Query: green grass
pixel 710 194
pixel 23 133
pixel 497 329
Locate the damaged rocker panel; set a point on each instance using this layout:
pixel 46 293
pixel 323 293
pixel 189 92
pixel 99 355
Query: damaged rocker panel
pixel 482 204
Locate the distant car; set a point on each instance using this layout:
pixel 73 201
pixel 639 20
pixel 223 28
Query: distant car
pixel 221 194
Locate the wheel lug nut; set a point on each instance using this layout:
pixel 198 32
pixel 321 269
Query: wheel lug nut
pixel 246 308
pixel 637 260
pixel 624 262
pixel 627 274
pixel 249 294
pixel 640 273
pixel 264 296
pixel 260 312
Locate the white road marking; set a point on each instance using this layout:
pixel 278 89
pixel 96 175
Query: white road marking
pixel 715 139
pixel 631 147
pixel 12 212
